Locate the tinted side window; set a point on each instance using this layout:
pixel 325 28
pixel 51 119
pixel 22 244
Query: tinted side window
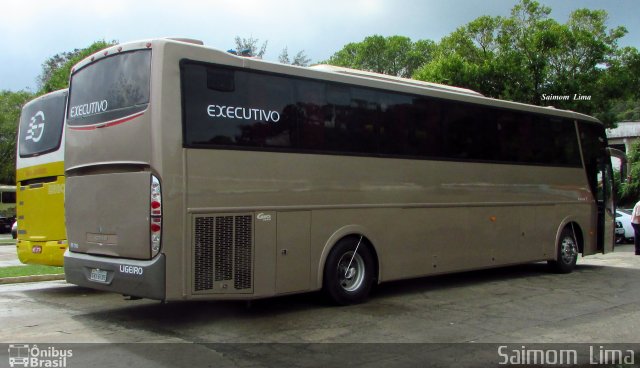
pixel 224 107
pixel 470 135
pixel 536 139
pixel 230 108
pixel 41 124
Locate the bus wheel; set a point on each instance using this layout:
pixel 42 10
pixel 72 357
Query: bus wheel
pixel 348 272
pixel 567 253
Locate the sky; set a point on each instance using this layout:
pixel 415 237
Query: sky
pixel 33 30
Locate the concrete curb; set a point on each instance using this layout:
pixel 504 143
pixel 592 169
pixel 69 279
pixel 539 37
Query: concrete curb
pixel 32 278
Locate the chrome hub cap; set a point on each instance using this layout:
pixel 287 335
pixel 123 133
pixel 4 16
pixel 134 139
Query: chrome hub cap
pixel 351 271
pixel 568 250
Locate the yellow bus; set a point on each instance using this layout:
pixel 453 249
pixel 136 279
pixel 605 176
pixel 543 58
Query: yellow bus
pixel 40 180
pixel 196 174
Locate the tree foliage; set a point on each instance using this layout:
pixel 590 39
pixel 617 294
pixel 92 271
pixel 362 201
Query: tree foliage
pixel 56 69
pixel 528 56
pixel 10 107
pixel 394 55
pixel 54 76
pixel 249 47
pixel 629 192
pixel 300 59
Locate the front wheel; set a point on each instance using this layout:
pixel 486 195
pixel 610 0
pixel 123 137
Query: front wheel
pixel 349 272
pixel 567 253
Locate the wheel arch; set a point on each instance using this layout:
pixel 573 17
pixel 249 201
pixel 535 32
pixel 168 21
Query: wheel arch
pixel 572 223
pixel 349 231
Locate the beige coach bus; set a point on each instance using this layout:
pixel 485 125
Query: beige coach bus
pixel 193 173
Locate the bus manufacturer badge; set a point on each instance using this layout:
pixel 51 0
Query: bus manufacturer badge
pixel 263 217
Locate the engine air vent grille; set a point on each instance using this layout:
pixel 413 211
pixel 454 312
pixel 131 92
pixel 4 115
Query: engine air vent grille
pixel 223 254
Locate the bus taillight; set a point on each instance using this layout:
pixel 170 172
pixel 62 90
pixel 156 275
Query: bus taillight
pixel 156 216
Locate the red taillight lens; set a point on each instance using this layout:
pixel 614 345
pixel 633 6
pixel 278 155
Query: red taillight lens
pixel 156 216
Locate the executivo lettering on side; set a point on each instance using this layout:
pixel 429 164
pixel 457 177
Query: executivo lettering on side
pixel 243 113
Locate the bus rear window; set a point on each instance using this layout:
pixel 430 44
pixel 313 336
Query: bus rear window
pixel 109 89
pixel 41 125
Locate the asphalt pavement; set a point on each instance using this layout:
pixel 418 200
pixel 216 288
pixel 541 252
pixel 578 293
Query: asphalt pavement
pixel 8 255
pixel 453 320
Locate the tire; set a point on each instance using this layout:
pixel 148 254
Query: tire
pixel 349 286
pixel 567 253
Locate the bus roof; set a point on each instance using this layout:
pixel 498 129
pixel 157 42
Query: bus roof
pixel 391 78
pixel 346 75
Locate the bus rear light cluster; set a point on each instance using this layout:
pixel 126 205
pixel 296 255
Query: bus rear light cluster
pixel 155 225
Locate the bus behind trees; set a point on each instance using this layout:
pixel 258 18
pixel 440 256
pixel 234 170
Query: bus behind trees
pixel 40 180
pixel 196 174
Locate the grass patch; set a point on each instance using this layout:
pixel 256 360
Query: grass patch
pixel 29 270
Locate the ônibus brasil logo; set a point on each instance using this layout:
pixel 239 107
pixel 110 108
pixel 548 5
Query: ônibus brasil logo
pixel 25 355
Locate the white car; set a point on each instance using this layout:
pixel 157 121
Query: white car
pixel 624 217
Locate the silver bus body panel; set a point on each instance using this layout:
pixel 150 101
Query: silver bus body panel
pixel 422 217
pixel 114 214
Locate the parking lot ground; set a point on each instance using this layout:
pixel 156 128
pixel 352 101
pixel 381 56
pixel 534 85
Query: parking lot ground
pixel 8 256
pixel 599 303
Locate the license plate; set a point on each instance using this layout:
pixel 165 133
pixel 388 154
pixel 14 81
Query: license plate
pixel 98 275
pixel 36 249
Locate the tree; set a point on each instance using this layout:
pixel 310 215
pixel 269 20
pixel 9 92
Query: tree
pixel 56 69
pixel 10 107
pixel 54 76
pixel 467 58
pixel 249 47
pixel 629 192
pixel 300 59
pixel 528 56
pixel 395 55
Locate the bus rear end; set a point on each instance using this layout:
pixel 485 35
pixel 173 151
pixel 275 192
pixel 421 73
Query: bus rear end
pixel 40 181
pixel 113 191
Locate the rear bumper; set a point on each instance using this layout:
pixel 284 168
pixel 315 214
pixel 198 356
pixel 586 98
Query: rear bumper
pixel 138 278
pixel 49 253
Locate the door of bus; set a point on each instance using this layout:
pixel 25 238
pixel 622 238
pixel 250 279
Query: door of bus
pixel 606 206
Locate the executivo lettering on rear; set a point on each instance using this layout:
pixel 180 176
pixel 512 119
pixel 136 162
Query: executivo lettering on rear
pixel 89 108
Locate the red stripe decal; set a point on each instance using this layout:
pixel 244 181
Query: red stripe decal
pixel 109 123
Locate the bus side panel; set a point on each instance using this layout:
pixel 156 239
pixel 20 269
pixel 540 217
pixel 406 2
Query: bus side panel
pixel 425 241
pixel 426 217
pixel 293 251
